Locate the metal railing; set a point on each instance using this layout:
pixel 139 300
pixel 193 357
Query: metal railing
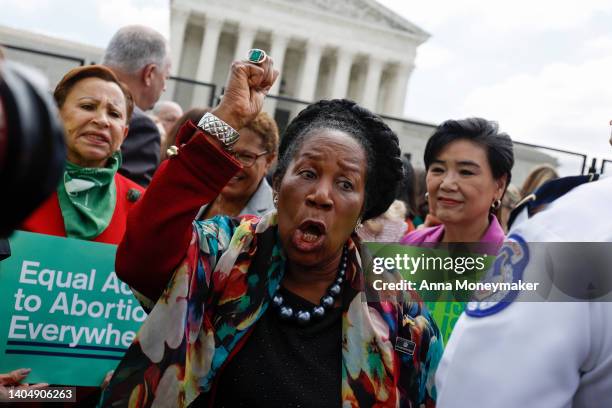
pixel 284 107
pixel 81 61
pixel 408 121
pixel 211 89
pixel 553 149
pixel 431 127
pixel 288 99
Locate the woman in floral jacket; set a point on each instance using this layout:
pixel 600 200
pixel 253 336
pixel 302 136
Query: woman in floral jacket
pixel 269 311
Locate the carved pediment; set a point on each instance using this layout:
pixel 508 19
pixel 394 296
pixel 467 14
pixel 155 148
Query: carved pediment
pixel 368 11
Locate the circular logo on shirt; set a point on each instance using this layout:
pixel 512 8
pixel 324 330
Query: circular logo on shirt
pixel 509 265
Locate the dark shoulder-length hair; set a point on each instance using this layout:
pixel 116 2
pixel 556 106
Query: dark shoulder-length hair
pixel 76 75
pixel 498 145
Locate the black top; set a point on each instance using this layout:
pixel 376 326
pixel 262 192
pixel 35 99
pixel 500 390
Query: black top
pixel 283 364
pixel 140 149
pixel 5 249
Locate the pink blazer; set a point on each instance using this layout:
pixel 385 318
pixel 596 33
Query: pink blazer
pixel 493 235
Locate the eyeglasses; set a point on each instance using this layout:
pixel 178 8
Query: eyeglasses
pixel 247 158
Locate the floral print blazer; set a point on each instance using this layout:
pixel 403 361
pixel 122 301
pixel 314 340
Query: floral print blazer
pixel 232 268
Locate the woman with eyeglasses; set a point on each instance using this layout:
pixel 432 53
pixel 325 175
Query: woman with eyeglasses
pixel 247 192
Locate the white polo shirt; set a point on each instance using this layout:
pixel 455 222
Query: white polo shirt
pixel 538 354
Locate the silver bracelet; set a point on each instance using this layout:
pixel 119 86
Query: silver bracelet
pixel 214 126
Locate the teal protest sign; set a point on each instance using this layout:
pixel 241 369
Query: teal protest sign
pixel 65 314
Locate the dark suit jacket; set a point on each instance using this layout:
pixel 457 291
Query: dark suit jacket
pixel 140 149
pixel 5 249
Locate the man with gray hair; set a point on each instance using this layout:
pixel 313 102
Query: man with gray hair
pixel 140 58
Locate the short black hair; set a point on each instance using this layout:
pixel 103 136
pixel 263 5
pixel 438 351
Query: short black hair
pixel 380 143
pixel 407 189
pixel 498 145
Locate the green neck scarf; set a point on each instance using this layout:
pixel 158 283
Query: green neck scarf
pixel 87 198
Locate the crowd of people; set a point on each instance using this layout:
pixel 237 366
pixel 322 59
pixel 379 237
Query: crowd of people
pixel 246 246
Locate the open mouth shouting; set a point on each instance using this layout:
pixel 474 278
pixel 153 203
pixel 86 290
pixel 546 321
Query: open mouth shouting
pixel 309 235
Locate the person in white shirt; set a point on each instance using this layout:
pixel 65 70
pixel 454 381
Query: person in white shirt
pixel 518 353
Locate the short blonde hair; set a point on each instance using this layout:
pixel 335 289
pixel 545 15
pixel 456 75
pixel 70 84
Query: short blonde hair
pixel 538 176
pixel 265 127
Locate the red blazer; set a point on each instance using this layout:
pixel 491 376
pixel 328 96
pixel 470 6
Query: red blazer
pixel 47 219
pixel 159 228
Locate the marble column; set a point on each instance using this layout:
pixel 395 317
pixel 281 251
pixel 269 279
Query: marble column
pixel 278 49
pixel 206 63
pixel 372 83
pixel 399 89
pixel 178 24
pixel 342 76
pixel 310 72
pixel 246 37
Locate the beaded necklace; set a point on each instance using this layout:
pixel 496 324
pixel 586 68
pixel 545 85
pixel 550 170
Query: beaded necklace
pixel 304 317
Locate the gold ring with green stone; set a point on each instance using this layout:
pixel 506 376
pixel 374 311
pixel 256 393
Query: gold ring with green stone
pixel 256 56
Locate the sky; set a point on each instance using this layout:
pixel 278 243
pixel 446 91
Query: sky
pixel 541 68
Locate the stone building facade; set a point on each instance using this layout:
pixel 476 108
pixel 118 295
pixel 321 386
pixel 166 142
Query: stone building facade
pixel 353 49
pixel 328 49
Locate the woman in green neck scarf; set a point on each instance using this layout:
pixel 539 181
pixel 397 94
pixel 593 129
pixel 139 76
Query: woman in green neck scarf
pixel 92 200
